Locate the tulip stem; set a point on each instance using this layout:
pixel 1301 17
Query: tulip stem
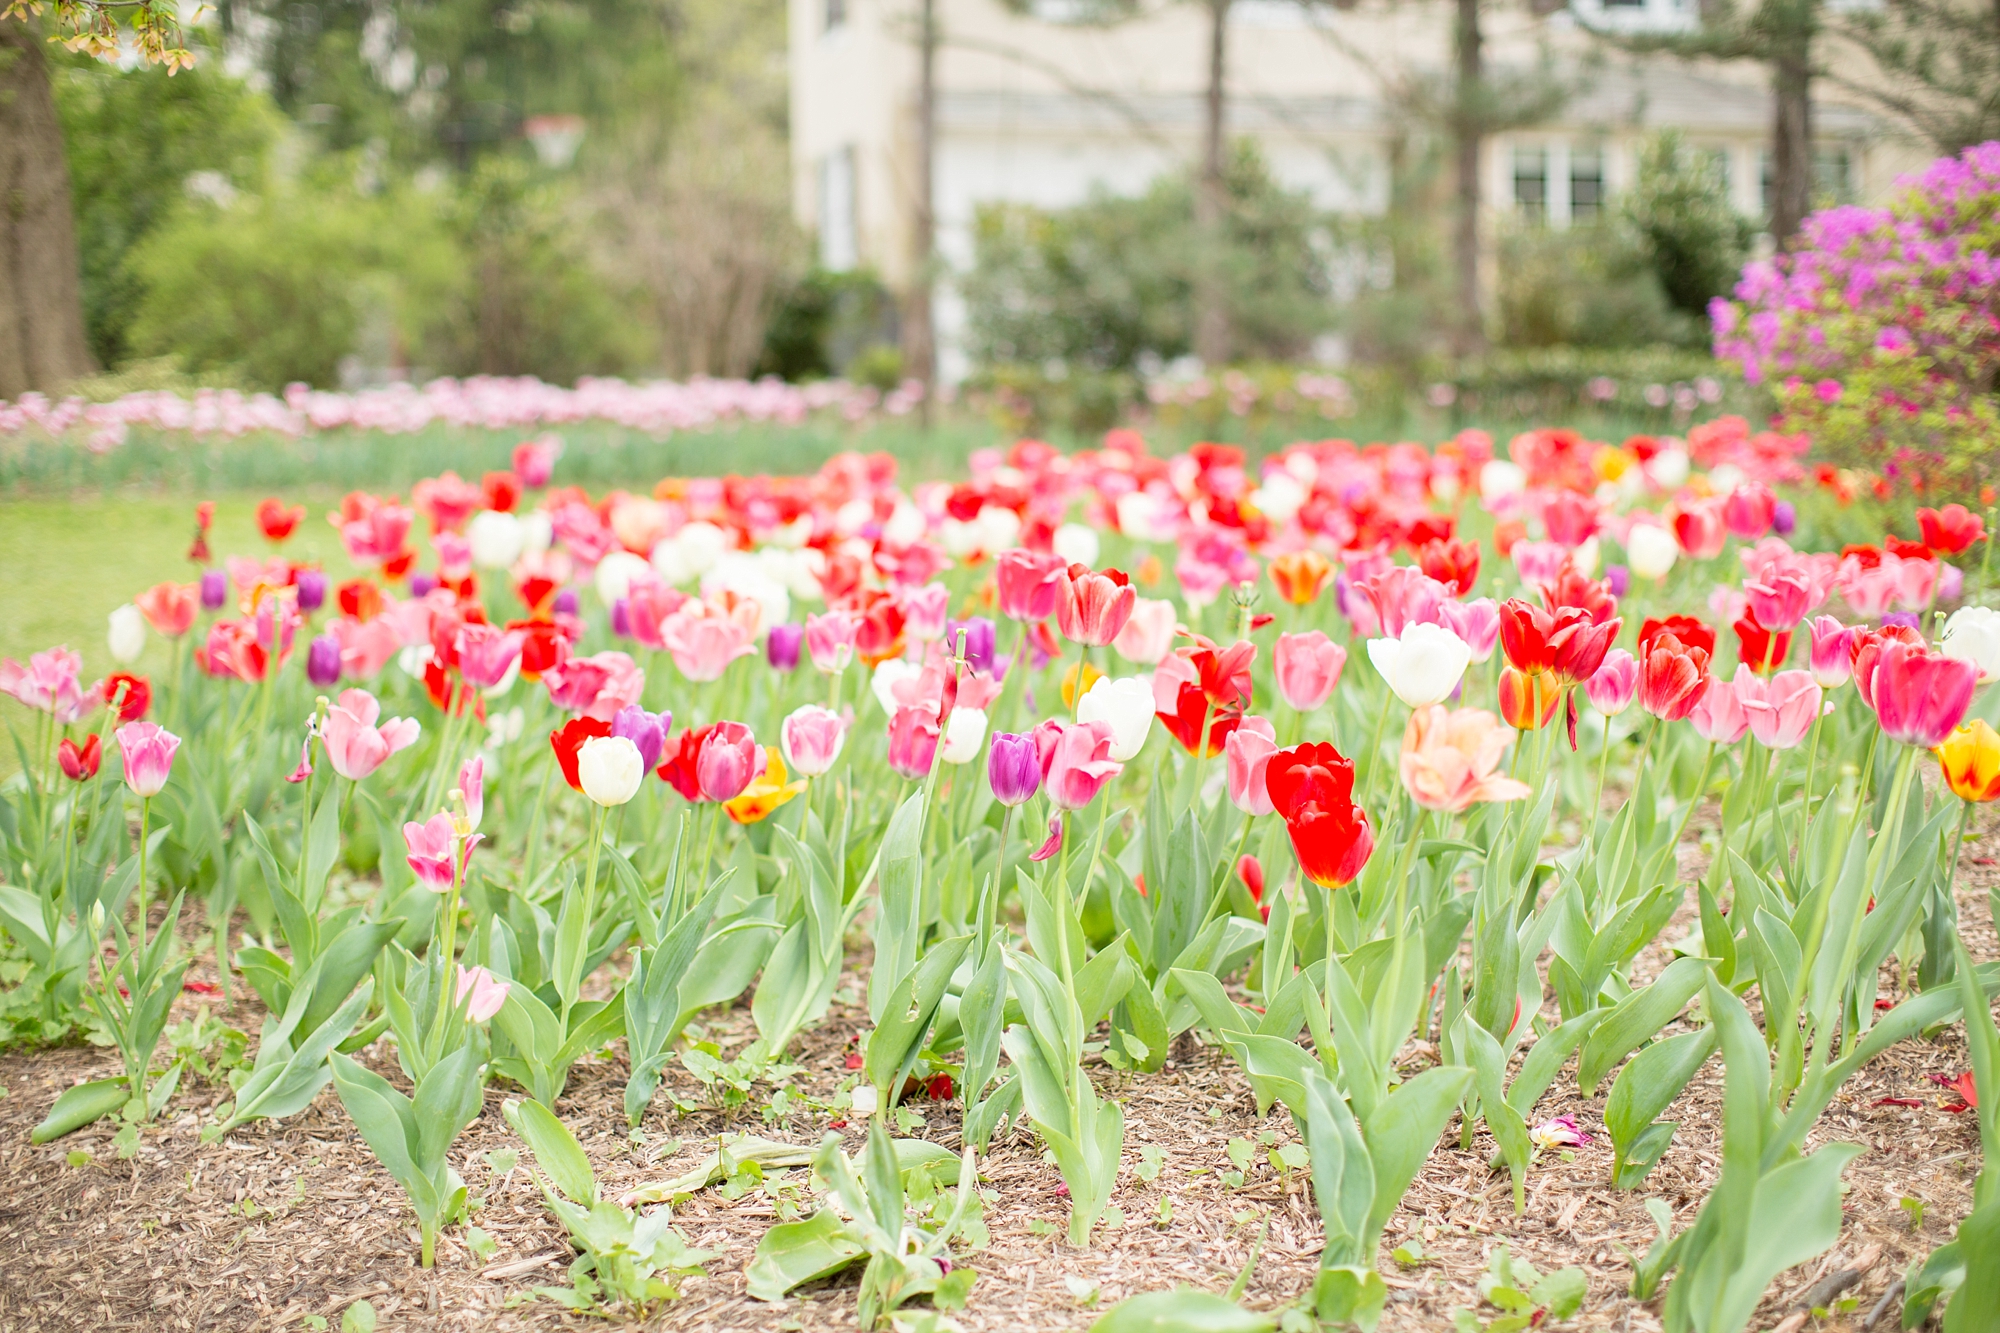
pixel 1805 792
pixel 1700 785
pixel 447 1000
pixel 145 827
pixel 569 985
pixel 1603 762
pixel 535 827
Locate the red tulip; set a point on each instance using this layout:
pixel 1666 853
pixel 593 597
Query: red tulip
pixel 80 763
pixel 1571 590
pixel 1699 529
pixel 502 490
pixel 1749 510
pixel 1454 564
pixel 1759 649
pixel 277 522
pixel 1312 788
pixel 1183 722
pixel 1091 607
pixel 170 607
pixel 1672 676
pixel 1027 583
pixel 677 762
pixel 569 738
pixel 1566 642
pixel 1918 696
pixel 1864 650
pixel 1690 632
pixel 1570 518
pixel 138 694
pixel 1950 530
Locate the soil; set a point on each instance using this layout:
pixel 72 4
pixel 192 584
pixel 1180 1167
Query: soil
pixel 282 1224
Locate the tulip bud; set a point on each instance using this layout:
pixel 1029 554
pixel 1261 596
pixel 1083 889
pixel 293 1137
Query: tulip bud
pixel 610 769
pixel 127 638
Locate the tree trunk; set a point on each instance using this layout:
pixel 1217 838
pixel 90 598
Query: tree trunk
pixel 1211 203
pixel 1791 122
pixel 919 332
pixel 41 295
pixel 1469 133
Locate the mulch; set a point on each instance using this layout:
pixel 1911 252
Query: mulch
pixel 282 1222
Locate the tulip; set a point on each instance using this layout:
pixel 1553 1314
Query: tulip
pixel 1423 666
pixel 1651 551
pixel 1782 710
pixel 1183 720
pixel 80 762
pixel 1249 749
pixel 487 655
pixel 1672 676
pixel 1477 622
pixel 169 607
pixel 495 539
pixel 1832 662
pixel 1013 768
pixel 1450 757
pixel 1308 668
pixel 647 731
pixel 1528 702
pixel 965 733
pixel 830 640
pixel 277 522
pixel 148 751
pixel 1749 509
pixel 1611 690
pixel 1454 564
pixel 51 682
pixel 1972 634
pixel 1758 650
pixel 214 589
pixel 1969 758
pixel 355 746
pixel 1950 530
pixel 1027 584
pixel 728 760
pixel 704 646
pixel 130 695
pixel 1075 760
pixel 1383 605
pixel 1078 679
pixel 1148 634
pixel 1312 789
pixel 126 638
pixel 482 993
pixel 1300 576
pixel 766 792
pixel 925 611
pixel 1561 1132
pixel 430 845
pixel 781 647
pixel 1127 705
pixel 471 791
pixel 1718 716
pixel 1567 642
pixel 1092 607
pixel 1780 601
pixel 980 641
pixel 1691 633
pixel 535 460
pixel 615 574
pixel 323 660
pixel 1699 530
pixel 1918 696
pixel 1075 543
pixel 812 738
pixel 569 739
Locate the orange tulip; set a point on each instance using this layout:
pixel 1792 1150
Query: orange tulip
pixel 1300 576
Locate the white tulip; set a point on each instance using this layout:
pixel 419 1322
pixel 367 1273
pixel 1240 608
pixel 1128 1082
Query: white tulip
pixel 999 528
pixel 744 575
pixel 1279 498
pixel 537 532
pixel 1584 558
pixel 615 573
pixel 127 637
pixel 496 539
pixel 964 735
pixel 413 659
pixel 1127 704
pixel 1973 635
pixel 1500 480
pixel 906 526
pixel 1424 666
pixel 959 537
pixel 1651 550
pixel 1668 469
pixel 1076 544
pixel 701 544
pixel 610 769
pixel 889 674
pixel 1138 516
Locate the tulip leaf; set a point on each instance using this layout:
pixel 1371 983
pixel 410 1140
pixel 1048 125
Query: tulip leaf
pixel 555 1148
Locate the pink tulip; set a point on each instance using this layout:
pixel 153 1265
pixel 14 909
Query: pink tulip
pixel 1749 510
pixel 1538 562
pixel 535 460
pixel 149 756
pixel 704 646
pixel 366 646
pixel 1249 750
pixel 1091 607
pixel 377 535
pixel 1450 758
pixel 913 739
pixel 1919 696
pixel 597 686
pixel 486 654
pixel 472 789
pixel 1148 634
pixel 1832 663
pixel 50 682
pixel 648 604
pixel 730 757
pixel 1782 711
pixel 1780 602
pixel 812 738
pixel 430 850
pixel 1477 622
pixel 1386 603
pixel 1718 715
pixel 486 992
pixel 355 746
pixel 830 640
pixel 1308 667
pixel 925 610
pixel 1076 761
pixel 1027 583
pixel 1201 582
pixel 1616 681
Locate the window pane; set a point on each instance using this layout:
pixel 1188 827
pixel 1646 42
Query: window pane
pixel 1586 184
pixel 1531 182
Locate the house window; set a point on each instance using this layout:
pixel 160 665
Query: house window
pixel 836 14
pixel 839 246
pixel 1833 175
pixel 1531 183
pixel 1586 184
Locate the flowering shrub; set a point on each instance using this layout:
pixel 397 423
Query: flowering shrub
pixel 1880 332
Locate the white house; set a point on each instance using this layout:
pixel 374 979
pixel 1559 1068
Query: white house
pixel 1039 108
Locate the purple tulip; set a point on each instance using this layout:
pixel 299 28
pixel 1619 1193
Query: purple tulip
pixel 311 586
pixel 647 731
pixel 979 641
pixel 621 618
pixel 782 648
pixel 1620 579
pixel 323 660
pixel 1907 618
pixel 422 582
pixel 1784 518
pixel 214 589
pixel 566 602
pixel 1013 768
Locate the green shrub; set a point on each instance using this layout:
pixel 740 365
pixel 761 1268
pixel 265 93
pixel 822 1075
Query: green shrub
pixel 1689 232
pixel 1587 286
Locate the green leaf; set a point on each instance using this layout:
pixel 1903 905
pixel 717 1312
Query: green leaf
pixel 1561 1292
pixel 1644 1089
pixel 1637 1018
pixel 84 1104
pixel 1182 1310
pixel 1973 1307
pixel 358 1318
pixel 796 1252
pixel 556 1150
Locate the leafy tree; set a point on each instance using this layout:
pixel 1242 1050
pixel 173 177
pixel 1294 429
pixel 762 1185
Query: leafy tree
pixel 1941 59
pixel 1693 237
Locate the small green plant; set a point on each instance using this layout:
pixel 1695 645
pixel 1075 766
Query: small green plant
pixel 1524 1297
